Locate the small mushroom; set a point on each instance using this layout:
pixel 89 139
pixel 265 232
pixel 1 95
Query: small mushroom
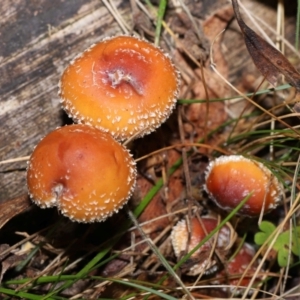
pixel 201 261
pixel 122 85
pixel 81 170
pixel 234 274
pixel 229 179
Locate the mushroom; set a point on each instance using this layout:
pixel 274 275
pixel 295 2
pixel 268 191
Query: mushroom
pixel 81 170
pixel 202 260
pixel 234 272
pixel 122 85
pixel 229 179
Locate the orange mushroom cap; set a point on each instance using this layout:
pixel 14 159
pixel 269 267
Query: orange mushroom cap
pixel 123 85
pixel 229 179
pixel 81 170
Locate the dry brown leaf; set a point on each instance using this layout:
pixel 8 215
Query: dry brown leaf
pixel 268 60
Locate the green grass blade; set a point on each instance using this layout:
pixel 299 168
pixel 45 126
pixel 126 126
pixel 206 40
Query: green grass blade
pixel 21 295
pixel 160 17
pixel 144 288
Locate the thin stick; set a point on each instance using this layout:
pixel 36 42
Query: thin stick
pixel 12 160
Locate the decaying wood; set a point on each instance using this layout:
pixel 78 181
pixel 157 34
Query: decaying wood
pixel 15 207
pixel 38 40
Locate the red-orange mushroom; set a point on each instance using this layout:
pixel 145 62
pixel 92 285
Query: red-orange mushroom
pixel 235 273
pixel 201 260
pixel 123 85
pixel 229 179
pixel 81 170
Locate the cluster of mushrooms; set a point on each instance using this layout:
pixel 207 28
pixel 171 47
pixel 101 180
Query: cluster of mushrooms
pixel 119 89
pixel 228 181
